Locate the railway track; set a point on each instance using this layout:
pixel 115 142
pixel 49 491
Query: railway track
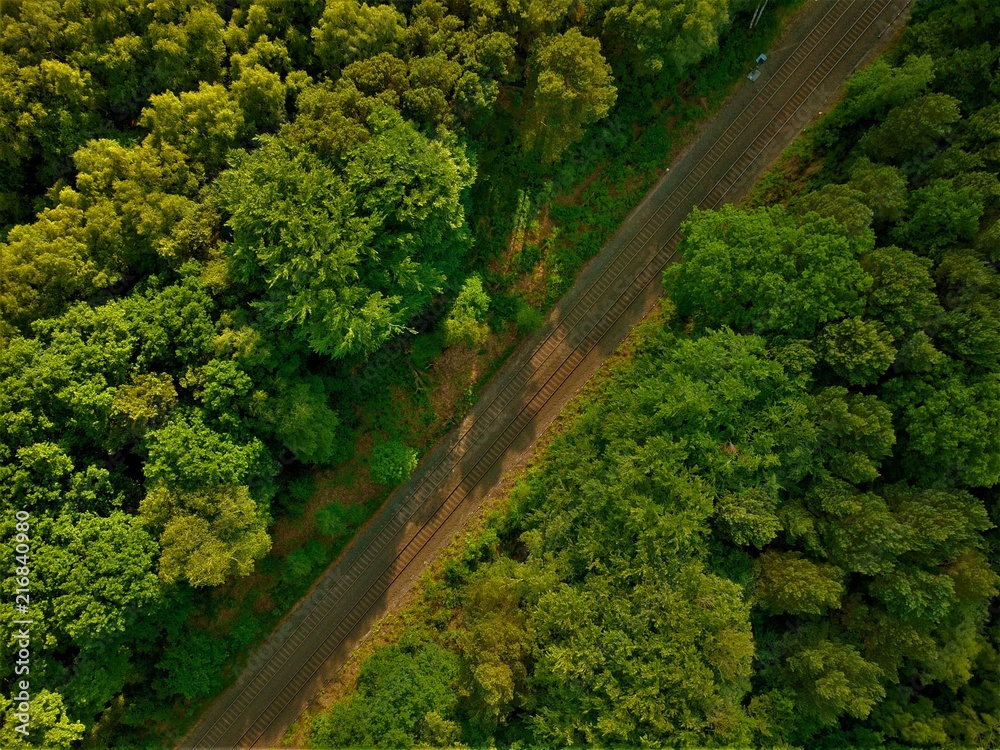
pixel 288 671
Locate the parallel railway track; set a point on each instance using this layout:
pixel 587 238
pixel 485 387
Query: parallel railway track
pixel 287 673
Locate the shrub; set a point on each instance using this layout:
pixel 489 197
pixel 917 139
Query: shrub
pixel 293 499
pixel 527 318
pixel 301 564
pixel 392 462
pixel 336 519
pixel 466 322
pixel 426 347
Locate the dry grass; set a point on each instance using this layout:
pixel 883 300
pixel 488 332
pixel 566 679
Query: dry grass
pixel 459 371
pixel 533 285
pixel 538 230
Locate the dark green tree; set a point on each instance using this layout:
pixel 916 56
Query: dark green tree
pixel 569 87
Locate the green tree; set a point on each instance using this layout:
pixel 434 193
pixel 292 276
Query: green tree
pixel 337 520
pixel 303 420
pixel 97 573
pixel 100 673
pixel 202 124
pixel 219 385
pixel 260 95
pixel 18 113
pixel 140 202
pixel 902 296
pixel 46 265
pixel 788 582
pixel 650 35
pixel 872 92
pixel 539 16
pixel 187 454
pixel 466 322
pixel 348 31
pixel 951 428
pixel 749 517
pixel 383 77
pixel 766 272
pixel 50 109
pixel 593 639
pixel 860 534
pixel 433 80
pixel 404 698
pixel 187 43
pixel 940 215
pixel 392 462
pixel 144 404
pixel 912 593
pixel 912 130
pixel 970 326
pixel 569 87
pixel 411 188
pixel 982 135
pixel 330 120
pixel 882 188
pixel 50 724
pixel 193 661
pixel 297 236
pixel 855 432
pixel 833 679
pixel 495 641
pixel 344 260
pixel 859 351
pixel 842 203
pixel 205 535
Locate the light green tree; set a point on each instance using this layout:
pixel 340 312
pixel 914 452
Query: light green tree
pixel 50 724
pixel 205 535
pixel 392 462
pixel 648 35
pixel 202 124
pixel 349 31
pixel 465 323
